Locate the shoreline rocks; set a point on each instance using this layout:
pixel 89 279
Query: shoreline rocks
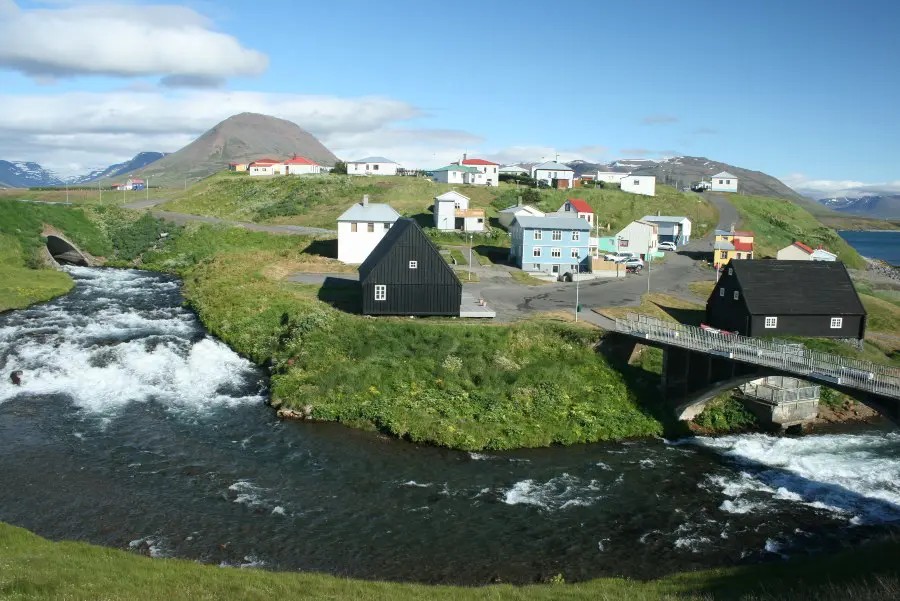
pixel 882 268
pixel 303 414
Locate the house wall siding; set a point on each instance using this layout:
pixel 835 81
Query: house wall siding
pixel 731 186
pixel 523 245
pixel 646 184
pixel 354 247
pixel 369 169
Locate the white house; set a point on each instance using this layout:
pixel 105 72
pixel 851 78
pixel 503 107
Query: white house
pixel 610 177
pixel 454 174
pixel 724 182
pixel 580 208
pixel 671 228
pixel 513 170
pixel 801 252
pixel 489 171
pixel 361 228
pixel 263 167
pixel 639 237
pixel 299 166
pixel 555 175
pixel 452 212
pixel 372 166
pixel 639 184
pixel 508 215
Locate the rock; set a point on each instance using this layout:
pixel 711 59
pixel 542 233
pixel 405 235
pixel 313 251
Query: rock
pixel 16 377
pixel 304 413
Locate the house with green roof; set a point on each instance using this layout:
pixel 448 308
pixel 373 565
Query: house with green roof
pixel 455 174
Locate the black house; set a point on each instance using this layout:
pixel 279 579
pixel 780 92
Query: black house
pixel 787 298
pixel 405 274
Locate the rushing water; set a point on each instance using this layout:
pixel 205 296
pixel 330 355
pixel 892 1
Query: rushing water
pixel 135 429
pixel 875 245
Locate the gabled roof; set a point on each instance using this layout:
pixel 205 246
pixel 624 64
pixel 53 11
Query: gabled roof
pixel 553 166
pixel 664 219
pixel 451 195
pixel 803 247
pixel 580 205
pixel 743 246
pixel 402 228
pixel 725 174
pixel 370 212
pixel 511 168
pixel 552 222
pixel 797 288
pixel 723 245
pixel 265 162
pixel 477 162
pixel 462 168
pixel 299 161
pixel 373 160
pixel 516 209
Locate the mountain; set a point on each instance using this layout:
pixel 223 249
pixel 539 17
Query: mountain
pixel 875 204
pixel 141 160
pixel 242 137
pixel 620 166
pixel 24 174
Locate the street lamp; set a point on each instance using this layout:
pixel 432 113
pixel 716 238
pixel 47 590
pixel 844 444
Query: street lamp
pixel 470 257
pixel 617 256
pixel 577 273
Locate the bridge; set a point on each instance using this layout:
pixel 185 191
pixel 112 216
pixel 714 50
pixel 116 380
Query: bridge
pixel 698 364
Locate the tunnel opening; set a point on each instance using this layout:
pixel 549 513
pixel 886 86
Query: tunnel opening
pixel 64 253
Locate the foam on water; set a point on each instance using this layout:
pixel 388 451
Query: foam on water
pixel 562 492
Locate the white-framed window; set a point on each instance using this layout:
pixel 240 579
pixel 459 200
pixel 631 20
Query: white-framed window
pixel 374 167
pixel 730 271
pixel 538 235
pixel 536 252
pixel 722 292
pixel 380 292
pixel 637 182
pixel 721 181
pixel 737 295
pixel 575 253
pixel 771 322
pixel 413 264
pixel 555 252
pixel 387 225
pixel 557 234
pixel 575 236
pixel 536 266
pixel 837 323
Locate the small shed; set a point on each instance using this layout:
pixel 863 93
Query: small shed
pixel 787 298
pixel 405 274
pixel 724 182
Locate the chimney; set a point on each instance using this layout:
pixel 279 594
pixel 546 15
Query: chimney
pixel 465 156
pixel 732 228
pixel 365 201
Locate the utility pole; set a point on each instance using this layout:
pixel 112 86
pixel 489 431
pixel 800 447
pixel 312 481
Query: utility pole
pixel 67 192
pixel 648 264
pixel 100 191
pixel 578 272
pixel 147 183
pixel 470 257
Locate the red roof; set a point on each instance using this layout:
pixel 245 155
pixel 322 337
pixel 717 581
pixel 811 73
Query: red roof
pixel 300 161
pixel 580 205
pixel 478 162
pixel 743 246
pixel 803 247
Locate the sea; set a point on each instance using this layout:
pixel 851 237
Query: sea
pixel 875 244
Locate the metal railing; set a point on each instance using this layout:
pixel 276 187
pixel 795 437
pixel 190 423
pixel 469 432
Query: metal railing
pixel 790 357
pixel 781 389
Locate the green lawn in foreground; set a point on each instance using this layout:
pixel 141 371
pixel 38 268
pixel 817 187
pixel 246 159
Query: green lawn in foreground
pixel 32 568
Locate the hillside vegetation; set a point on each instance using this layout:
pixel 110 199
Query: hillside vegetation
pixel 319 200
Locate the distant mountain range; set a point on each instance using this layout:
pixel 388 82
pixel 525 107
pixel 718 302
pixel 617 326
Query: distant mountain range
pixel 24 174
pixel 878 205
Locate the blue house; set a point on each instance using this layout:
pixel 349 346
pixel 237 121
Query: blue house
pixel 552 244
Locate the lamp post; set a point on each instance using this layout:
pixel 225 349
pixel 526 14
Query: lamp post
pixel 577 272
pixel 470 257
pixel 649 241
pixel 67 192
pixel 617 257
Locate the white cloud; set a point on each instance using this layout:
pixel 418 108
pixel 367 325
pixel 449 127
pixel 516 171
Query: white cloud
pixel 174 42
pixel 79 131
pixel 822 188
pixel 534 154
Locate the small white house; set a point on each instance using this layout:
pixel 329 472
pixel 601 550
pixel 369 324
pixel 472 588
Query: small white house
pixel 454 174
pixel 579 207
pixel 801 252
pixel 639 184
pixel 509 214
pixel 299 166
pixel 361 228
pixel 672 228
pixel 452 212
pixel 489 171
pixel 555 175
pixel 513 170
pixel 372 166
pixel 611 177
pixel 724 182
pixel 263 167
pixel 639 237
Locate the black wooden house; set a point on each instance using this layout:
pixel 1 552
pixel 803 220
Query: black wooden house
pixel 787 298
pixel 405 274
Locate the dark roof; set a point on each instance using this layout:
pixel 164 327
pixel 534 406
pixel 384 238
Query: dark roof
pixel 797 287
pixel 394 235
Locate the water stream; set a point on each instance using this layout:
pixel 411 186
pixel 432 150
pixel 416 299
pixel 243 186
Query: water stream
pixel 135 429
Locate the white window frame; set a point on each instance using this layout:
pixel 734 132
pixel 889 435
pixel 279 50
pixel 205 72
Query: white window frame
pixel 771 323
pixel 380 292
pixel 837 323
pixel 575 236
pixel 536 266
pixel 413 264
pixel 538 235
pixel 557 235
pixel 536 251
pixel 722 292
pixel 575 254
pixel 737 295
pixel 555 253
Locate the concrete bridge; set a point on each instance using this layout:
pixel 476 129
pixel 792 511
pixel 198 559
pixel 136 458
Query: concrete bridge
pixel 699 364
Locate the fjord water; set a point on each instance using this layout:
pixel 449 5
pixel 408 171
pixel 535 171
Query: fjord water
pixel 135 429
pixel 875 244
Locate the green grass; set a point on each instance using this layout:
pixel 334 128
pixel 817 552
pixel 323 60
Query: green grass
pixel 523 278
pixel 21 286
pixel 458 256
pixel 778 223
pixel 36 569
pixel 726 414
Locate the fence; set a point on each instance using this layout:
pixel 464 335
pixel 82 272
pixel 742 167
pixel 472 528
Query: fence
pixel 790 357
pixel 781 389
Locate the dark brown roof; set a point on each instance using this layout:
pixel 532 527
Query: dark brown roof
pixel 797 287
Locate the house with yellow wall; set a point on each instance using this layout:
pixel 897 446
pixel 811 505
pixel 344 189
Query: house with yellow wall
pixel 732 244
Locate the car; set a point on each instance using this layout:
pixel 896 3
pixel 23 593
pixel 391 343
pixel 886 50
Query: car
pixel 667 246
pixel 618 257
pixel 634 264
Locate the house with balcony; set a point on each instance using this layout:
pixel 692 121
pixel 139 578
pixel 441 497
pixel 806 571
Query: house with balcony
pixel 452 213
pixel 554 244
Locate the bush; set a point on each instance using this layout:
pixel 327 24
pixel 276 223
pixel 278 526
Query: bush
pixel 726 415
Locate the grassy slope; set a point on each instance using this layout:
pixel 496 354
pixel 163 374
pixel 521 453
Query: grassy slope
pixel 36 569
pixel 778 223
pixel 318 201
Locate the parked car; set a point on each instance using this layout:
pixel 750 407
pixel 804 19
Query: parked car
pixel 634 264
pixel 667 246
pixel 618 257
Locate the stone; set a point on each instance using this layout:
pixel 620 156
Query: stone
pixel 16 377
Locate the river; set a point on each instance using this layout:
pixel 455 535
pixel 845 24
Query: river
pixel 134 429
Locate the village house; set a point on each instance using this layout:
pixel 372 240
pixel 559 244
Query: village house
pixel 488 170
pixel 238 167
pixel 554 244
pixel 372 166
pixel 264 167
pixel 787 298
pixel 508 215
pixel 675 229
pixel 724 182
pixel 299 166
pixel 405 274
pixel 361 228
pixel 452 212
pixel 578 207
pixel 731 244
pixel 513 170
pixel 611 177
pixel 640 238
pixel 801 252
pixel 455 174
pixel 555 175
pixel 639 184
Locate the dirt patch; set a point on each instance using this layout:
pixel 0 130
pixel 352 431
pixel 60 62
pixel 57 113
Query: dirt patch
pixel 848 411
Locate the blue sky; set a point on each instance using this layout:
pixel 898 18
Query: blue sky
pixel 803 90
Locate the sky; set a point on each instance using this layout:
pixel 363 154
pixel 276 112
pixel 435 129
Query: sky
pixel 805 90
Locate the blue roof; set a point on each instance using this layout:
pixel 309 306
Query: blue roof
pixel 370 212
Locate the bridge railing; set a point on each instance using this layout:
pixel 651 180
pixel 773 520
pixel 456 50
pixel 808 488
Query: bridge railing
pixel 787 356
